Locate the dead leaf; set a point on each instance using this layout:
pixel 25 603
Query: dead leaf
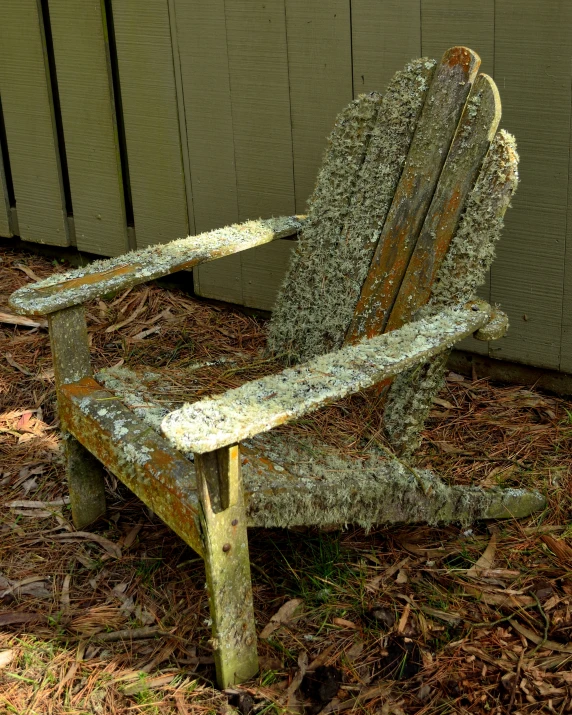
pixel 16 617
pixel 404 618
pixel 486 559
pixel 6 657
pixel 10 360
pixel 284 615
pixel 23 320
pixel 537 640
pixel 559 548
pixel 499 599
pixel 108 545
pixel 401 576
pixel 344 624
pixel 444 403
pixel 28 271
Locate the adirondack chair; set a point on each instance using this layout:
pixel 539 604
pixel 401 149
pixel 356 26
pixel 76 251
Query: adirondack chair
pixel 400 232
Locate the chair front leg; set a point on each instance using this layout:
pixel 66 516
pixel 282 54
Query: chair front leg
pixel 85 474
pixel 227 564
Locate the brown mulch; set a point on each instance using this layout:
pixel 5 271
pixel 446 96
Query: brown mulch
pixel 397 620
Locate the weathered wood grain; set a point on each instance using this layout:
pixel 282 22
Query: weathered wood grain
pixel 477 127
pixel 90 125
pixel 150 115
pixel 527 277
pixel 30 124
pixel 70 354
pixel 437 124
pixel 227 564
pixel 385 35
pixel 320 76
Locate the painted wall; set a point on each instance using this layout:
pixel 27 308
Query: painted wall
pixel 129 123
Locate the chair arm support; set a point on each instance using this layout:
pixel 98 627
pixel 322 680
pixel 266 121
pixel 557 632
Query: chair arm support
pixel 101 277
pixel 262 404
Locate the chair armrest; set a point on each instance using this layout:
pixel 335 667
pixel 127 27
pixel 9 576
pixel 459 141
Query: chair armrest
pixel 101 277
pixel 262 404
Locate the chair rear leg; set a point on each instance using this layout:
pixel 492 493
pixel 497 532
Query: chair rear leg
pixel 227 564
pixel 85 474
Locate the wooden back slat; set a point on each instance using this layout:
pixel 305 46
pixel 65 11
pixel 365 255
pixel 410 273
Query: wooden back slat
pixel 474 134
pixel 353 193
pixel 437 124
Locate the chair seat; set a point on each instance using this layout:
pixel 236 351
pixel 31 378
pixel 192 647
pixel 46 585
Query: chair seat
pixel 294 480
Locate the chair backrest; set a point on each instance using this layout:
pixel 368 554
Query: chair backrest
pixel 407 206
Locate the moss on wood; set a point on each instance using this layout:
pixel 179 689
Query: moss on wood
pixel 354 190
pixel 463 270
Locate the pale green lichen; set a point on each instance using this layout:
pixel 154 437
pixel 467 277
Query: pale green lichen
pixel 355 187
pixel 290 480
pixel 462 272
pixel 50 295
pixel 262 404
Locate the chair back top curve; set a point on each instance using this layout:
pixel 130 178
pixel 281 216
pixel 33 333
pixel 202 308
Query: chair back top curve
pixel 398 174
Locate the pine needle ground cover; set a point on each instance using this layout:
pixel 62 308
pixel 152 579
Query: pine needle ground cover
pixel 398 620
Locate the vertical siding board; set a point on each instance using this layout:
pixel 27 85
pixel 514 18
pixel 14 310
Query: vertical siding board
pixel 320 72
pixel 200 30
pixel 259 90
pixel 149 101
pixel 30 124
pixel 566 352
pixel 89 122
pixel 386 35
pixel 260 97
pixel 534 83
pixel 444 24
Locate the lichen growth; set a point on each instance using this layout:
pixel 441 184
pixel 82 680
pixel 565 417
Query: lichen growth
pixel 107 276
pixel 262 404
pixel 291 480
pixel 462 272
pixel 354 190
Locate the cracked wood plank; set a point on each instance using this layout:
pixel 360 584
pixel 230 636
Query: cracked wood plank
pixel 274 400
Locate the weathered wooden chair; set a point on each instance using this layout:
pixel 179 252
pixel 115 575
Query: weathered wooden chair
pixel 400 232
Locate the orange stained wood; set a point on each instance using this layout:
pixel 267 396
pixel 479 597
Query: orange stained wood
pixel 158 480
pixel 437 124
pixel 89 279
pixel 471 142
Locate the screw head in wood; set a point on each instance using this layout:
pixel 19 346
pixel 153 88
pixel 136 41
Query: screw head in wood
pixel 226 548
pixel 234 522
